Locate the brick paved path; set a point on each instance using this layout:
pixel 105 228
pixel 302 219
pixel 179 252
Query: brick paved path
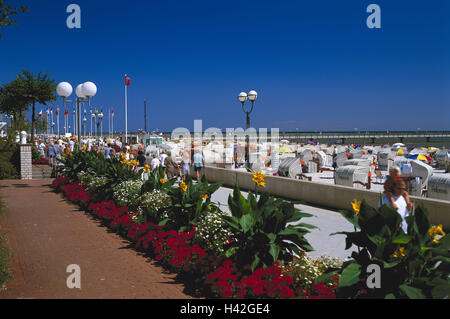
pixel 46 234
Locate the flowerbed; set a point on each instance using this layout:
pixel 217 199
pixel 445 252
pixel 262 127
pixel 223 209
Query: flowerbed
pixel 177 251
pixel 258 249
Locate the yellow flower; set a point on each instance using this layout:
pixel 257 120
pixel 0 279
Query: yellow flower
pixel 434 233
pixel 162 180
pixel 356 205
pixel 183 186
pixel 400 252
pixel 258 178
pixel 146 168
pixel 205 196
pixel 123 156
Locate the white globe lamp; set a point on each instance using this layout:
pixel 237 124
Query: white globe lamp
pixel 79 91
pixel 89 89
pixel 242 97
pixel 64 89
pixel 252 96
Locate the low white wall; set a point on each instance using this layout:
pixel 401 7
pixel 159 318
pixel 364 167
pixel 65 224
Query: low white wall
pixel 333 196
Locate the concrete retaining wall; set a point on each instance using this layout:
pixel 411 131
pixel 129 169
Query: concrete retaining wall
pixel 333 196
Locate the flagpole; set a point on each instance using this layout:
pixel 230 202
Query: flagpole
pixel 51 113
pixel 57 120
pixel 109 123
pixel 112 123
pixel 126 119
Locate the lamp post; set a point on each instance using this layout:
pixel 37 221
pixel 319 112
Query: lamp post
pixel 84 93
pixel 243 97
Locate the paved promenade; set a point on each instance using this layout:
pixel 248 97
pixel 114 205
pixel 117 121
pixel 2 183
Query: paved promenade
pixel 46 234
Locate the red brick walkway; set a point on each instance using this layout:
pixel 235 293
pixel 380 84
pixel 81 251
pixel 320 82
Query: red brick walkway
pixel 46 234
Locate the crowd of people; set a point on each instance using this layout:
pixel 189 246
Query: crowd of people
pixel 54 149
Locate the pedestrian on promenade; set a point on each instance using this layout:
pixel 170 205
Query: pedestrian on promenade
pixel 141 159
pixel 394 175
pixel 71 145
pixel 172 168
pixel 125 151
pixel 185 165
pixel 162 159
pixel 397 200
pixel 155 162
pixel 51 153
pixel 199 163
pixel 108 152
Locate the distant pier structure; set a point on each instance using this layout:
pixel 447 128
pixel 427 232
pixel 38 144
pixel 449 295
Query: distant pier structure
pixel 375 138
pixel 431 138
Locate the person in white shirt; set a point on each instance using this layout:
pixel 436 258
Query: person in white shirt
pixel 398 186
pixel 162 159
pixel 72 145
pixel 155 162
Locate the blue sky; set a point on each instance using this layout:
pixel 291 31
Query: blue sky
pixel 315 64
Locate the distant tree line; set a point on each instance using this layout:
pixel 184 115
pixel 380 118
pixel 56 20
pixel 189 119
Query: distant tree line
pixel 26 90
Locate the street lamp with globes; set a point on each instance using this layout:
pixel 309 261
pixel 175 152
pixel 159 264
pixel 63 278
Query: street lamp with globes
pixel 84 93
pixel 243 97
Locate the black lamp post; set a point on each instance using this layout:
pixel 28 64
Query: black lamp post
pixel 243 97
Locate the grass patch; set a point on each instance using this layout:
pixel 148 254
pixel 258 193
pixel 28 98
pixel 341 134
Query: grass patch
pixel 5 259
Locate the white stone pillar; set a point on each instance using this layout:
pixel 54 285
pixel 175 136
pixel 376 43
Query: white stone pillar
pixel 26 170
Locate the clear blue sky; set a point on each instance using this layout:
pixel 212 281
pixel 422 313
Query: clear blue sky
pixel 315 64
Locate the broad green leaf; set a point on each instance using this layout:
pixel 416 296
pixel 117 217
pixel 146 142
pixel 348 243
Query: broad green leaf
pixel 350 275
pixel 255 263
pixel 230 252
pixel 401 239
pixel 246 222
pixel 274 251
pixel 411 292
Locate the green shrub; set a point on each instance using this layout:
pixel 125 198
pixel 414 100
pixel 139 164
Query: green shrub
pixel 190 202
pixel 9 159
pixel 35 154
pixel 413 265
pixel 5 258
pixel 262 230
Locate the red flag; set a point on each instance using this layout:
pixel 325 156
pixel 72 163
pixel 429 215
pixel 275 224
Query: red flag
pixel 40 114
pixel 127 81
pixel 66 113
pixel 112 112
pixel 57 112
pixel 51 109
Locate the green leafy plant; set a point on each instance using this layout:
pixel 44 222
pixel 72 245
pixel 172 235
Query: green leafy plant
pixel 156 181
pixel 113 170
pixel 267 229
pixel 189 202
pixel 413 265
pixel 9 159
